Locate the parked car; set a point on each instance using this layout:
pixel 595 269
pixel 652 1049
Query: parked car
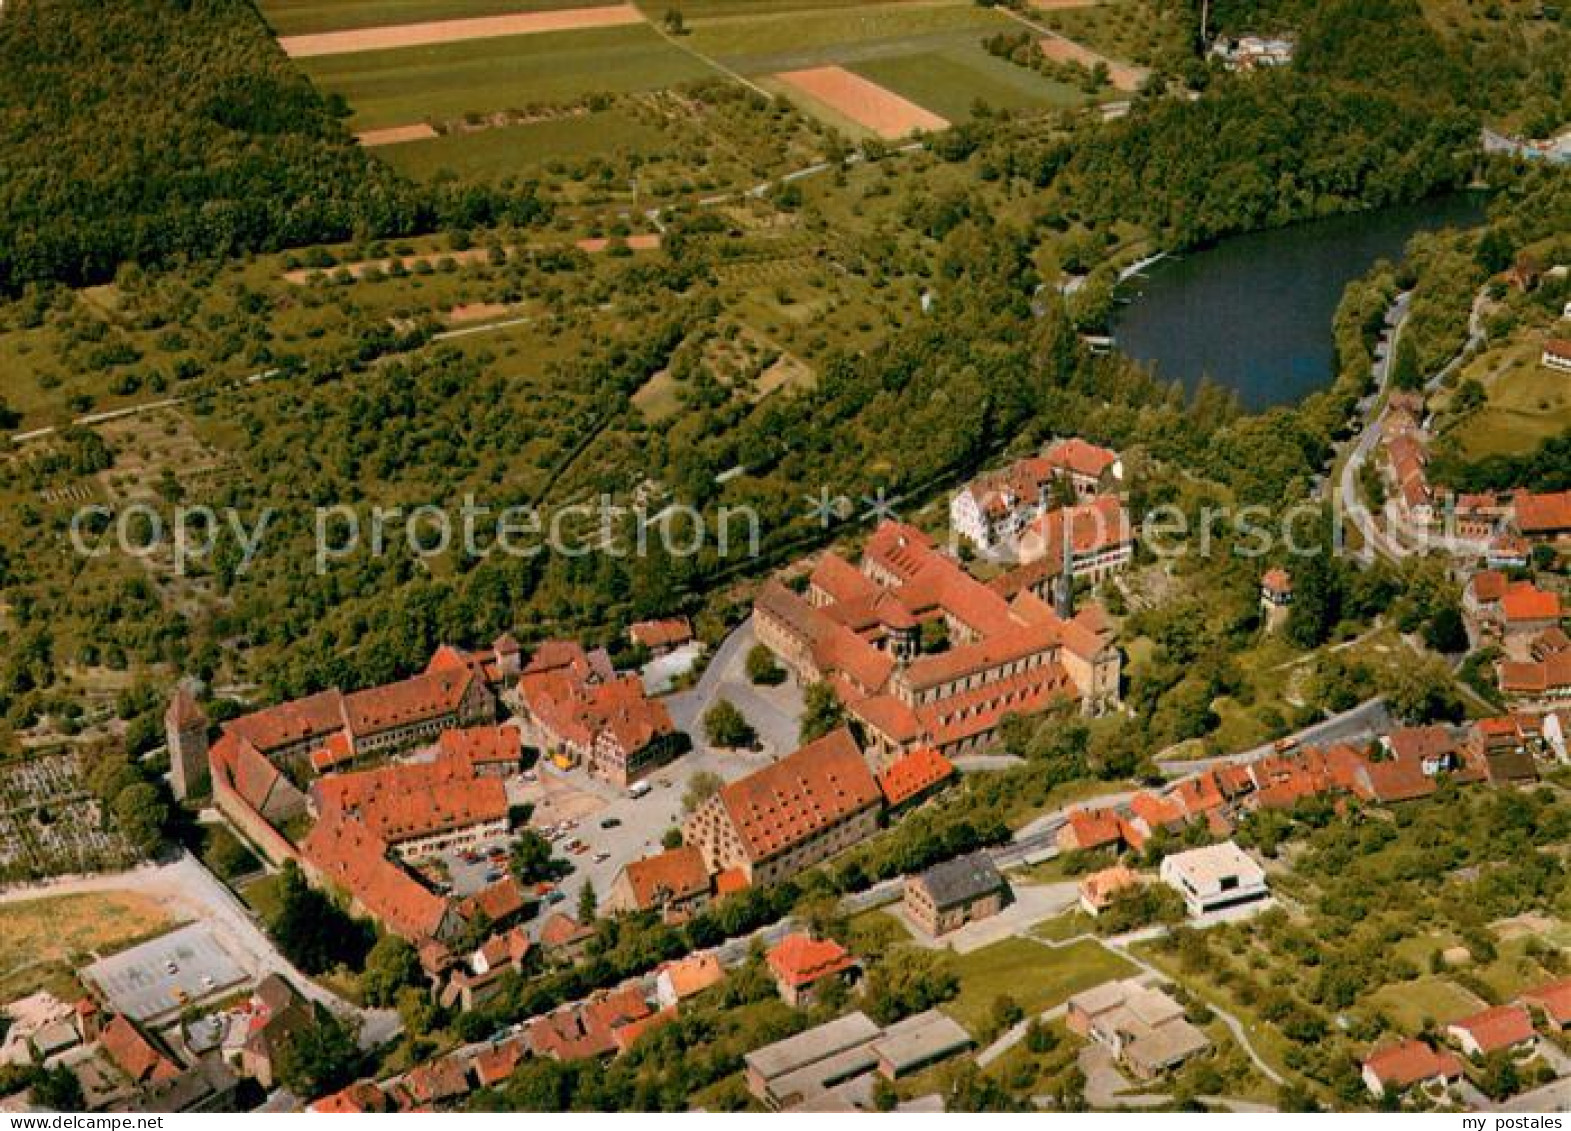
pixel 611 823
pixel 602 857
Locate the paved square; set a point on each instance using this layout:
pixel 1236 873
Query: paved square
pixel 138 981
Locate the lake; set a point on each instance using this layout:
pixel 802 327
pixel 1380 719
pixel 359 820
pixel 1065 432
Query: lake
pixel 1254 312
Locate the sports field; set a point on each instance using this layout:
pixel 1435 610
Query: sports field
pixel 310 17
pixel 451 80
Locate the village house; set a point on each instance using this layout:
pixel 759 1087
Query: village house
pixel 675 883
pixel 602 1025
pixel 803 967
pixel 277 1014
pixel 1543 519
pixel 1557 355
pixel 1408 1064
pixel 1553 1001
pixel 1141 1026
pixel 362 1097
pixel 683 978
pixel 1214 878
pixel 955 892
pixel 1501 1028
pixel 790 815
pixel 1100 889
pixel 565 938
pixel 661 636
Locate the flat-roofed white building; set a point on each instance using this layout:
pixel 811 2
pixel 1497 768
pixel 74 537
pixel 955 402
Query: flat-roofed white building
pixel 1216 877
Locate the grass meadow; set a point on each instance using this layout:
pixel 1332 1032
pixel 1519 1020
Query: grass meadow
pixel 390 88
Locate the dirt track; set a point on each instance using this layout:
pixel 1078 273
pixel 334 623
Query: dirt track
pixel 865 103
pixel 392 135
pixel 456 31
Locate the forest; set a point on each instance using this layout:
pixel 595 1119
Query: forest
pixel 145 131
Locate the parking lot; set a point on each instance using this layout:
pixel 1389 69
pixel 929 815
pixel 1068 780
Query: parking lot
pixel 161 977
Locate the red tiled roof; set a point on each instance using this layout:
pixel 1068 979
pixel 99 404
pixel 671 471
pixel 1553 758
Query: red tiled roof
pixel 1497 1028
pixel 133 1053
pixel 1488 585
pixel 348 854
pixel 1411 1062
pixel 1542 514
pixel 1524 601
pixel 729 881
pixel 301 720
pixel 841 580
pixel 693 975
pixel 914 774
pixel 1558 347
pixel 899 549
pixel 563 930
pixel 1277 580
pixel 358 1098
pixel 1422 744
pixel 430 695
pixel 798 797
pixel 800 960
pixel 1093 828
pixel 1093 527
pixel 886 715
pixel 676 874
pixel 1554 998
pixel 437 1080
pixel 1099 887
pixel 667 633
pixel 1019 643
pixel 1536 677
pixel 1080 457
pixel 499 901
pixel 483 745
pixel 495 1064
pixel 1157 812
pixel 410 800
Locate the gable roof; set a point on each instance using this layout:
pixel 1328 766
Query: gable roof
pixel 1497 1028
pixel 134 1053
pixel 1410 1062
pixel 350 855
pixel 801 795
pixel 914 774
pixel 800 960
pixel 1078 456
pixel 961 880
pixel 674 875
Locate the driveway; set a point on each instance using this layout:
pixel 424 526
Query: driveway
pixel 774 712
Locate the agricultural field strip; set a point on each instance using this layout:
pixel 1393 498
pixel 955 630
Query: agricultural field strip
pixel 355 40
pixel 448 81
pixel 307 17
pixel 863 101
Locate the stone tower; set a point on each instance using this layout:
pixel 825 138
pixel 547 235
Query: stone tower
pixel 185 728
pixel 1066 574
